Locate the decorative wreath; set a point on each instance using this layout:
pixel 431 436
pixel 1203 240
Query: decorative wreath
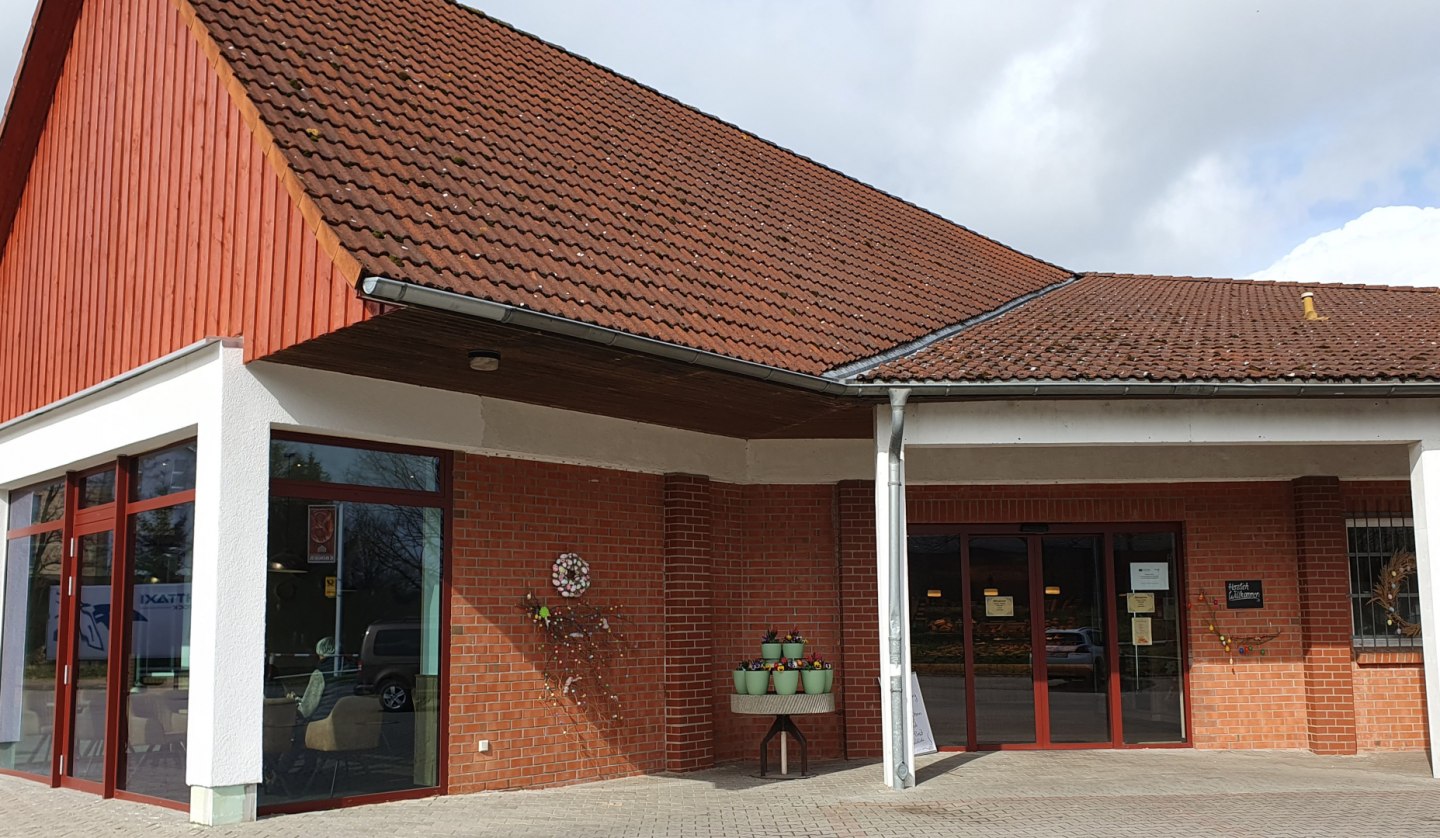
pixel 570 575
pixel 1388 588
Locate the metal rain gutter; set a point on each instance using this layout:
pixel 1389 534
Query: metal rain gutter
pixel 836 383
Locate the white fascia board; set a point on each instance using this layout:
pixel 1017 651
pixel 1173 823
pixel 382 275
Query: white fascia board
pixel 1172 422
pixel 138 413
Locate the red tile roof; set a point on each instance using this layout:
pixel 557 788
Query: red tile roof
pixel 450 150
pixel 1149 328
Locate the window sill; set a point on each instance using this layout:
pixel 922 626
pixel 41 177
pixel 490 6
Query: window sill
pixel 1388 657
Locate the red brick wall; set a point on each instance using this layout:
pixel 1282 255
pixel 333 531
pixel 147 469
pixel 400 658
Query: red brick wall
pixel 512 519
pixel 689 629
pixel 1324 568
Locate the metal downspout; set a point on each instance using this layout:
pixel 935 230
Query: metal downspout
pixel 899 682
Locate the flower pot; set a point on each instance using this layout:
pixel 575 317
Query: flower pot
pixel 787 682
pixel 739 680
pixel 793 651
pixel 814 680
pixel 756 683
pixel 829 680
pixel 770 651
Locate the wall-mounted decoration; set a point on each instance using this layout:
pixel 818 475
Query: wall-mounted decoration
pixel 1387 591
pixel 570 575
pixel 1244 644
pixel 580 647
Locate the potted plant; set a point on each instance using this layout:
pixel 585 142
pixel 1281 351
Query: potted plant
pixel 770 645
pixel 793 646
pixel 786 675
pixel 812 675
pixel 757 677
pixel 739 674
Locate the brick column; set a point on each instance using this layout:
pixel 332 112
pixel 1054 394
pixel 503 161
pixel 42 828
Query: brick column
pixel 859 592
pixel 690 670
pixel 1324 570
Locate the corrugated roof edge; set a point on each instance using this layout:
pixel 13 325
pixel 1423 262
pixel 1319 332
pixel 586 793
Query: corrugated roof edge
pixel 384 289
pixel 771 143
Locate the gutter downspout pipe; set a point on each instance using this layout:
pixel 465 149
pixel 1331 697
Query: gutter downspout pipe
pixel 901 742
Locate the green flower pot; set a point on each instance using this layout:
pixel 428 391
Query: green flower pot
pixel 814 680
pixel 756 683
pixel 787 682
pixel 739 680
pixel 793 651
pixel 770 651
pixel 829 680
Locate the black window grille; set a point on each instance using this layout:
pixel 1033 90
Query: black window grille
pixel 1374 541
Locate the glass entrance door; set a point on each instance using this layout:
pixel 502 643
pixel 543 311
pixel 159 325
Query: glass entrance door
pixel 1066 637
pixel 85 661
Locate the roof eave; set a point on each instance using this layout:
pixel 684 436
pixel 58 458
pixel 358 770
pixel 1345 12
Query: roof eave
pixel 387 290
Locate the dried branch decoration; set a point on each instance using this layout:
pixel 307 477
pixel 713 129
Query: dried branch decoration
pixel 580 644
pixel 1389 587
pixel 1247 644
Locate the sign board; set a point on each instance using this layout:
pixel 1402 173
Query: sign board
pixel 1140 631
pixel 322 533
pixel 1150 576
pixel 1244 593
pixel 158 628
pixel 330 585
pixel 1140 603
pixel 924 738
pixel 999 606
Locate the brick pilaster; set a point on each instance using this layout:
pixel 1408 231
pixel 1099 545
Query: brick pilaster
pixel 1324 570
pixel 859 605
pixel 689 624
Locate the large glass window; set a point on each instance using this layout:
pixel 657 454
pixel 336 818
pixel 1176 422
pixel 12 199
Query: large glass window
pixel 27 649
pixel 353 624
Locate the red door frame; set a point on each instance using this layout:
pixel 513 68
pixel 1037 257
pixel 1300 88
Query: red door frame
pixel 1033 535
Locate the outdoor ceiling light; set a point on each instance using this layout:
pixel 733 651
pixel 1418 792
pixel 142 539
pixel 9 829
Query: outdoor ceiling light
pixel 484 360
pixel 933 593
pixel 1052 590
pixel 992 592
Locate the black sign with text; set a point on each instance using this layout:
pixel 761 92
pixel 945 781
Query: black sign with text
pixel 1245 593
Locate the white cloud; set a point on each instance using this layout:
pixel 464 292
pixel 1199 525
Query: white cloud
pixel 1124 135
pixel 1385 246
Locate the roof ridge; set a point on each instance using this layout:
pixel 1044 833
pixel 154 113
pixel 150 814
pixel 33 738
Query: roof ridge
pixel 797 155
pixel 1350 286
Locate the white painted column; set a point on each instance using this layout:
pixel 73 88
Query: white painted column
pixel 899 762
pixel 1425 501
pixel 227 654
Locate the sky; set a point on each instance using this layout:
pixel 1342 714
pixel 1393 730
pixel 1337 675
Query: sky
pixel 1282 140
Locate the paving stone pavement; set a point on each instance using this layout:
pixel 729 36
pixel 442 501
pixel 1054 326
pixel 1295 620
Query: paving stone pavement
pixel 1074 794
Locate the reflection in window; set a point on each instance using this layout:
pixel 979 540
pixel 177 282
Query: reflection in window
pixel 27 655
pixel 37 505
pixel 164 472
pixel 97 489
pixel 352 649
pixel 158 701
pixel 294 460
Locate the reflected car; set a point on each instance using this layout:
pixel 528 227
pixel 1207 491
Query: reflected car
pixel 389 661
pixel 1075 653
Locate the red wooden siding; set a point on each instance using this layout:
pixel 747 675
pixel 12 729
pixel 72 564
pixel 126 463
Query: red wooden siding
pixel 153 216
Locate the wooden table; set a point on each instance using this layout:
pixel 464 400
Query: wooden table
pixel 782 707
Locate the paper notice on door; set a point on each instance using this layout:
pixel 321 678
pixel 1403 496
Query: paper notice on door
pixel 924 738
pixel 1140 631
pixel 1150 576
pixel 1140 603
pixel 999 606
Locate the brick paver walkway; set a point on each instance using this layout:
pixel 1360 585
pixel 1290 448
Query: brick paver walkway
pixel 1072 794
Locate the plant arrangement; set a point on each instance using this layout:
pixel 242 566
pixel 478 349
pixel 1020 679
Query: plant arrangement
pixel 794 637
pixel 580 645
pixel 1242 644
pixel 1389 587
